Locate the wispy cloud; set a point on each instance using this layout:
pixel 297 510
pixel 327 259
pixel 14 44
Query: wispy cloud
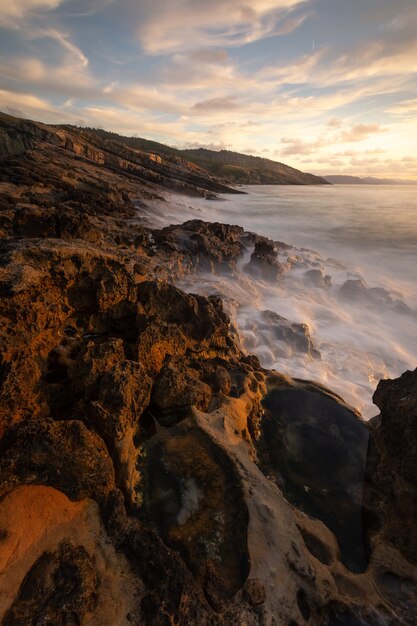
pixel 16 10
pixel 187 24
pixel 282 77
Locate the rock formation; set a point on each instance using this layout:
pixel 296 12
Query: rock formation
pixel 150 471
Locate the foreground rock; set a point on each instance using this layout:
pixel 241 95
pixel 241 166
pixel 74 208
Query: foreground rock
pixel 150 472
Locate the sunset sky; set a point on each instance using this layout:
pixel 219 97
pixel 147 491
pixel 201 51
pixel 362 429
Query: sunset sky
pixel 327 86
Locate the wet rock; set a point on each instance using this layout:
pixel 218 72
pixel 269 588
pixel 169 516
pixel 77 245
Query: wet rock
pixel 207 246
pixel 316 447
pixel 344 614
pixel 376 296
pixel 391 495
pixel 296 336
pixel 317 278
pixel 353 289
pixel 400 591
pixel 264 262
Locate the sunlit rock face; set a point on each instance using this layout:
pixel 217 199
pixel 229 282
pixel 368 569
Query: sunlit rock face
pixel 153 473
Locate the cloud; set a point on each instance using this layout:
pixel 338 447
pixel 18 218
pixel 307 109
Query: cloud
pixel 209 56
pixel 14 10
pixel 217 104
pixel 360 132
pixel 298 147
pixel 188 24
pixel 404 108
pixel 334 122
pixel 25 105
pixel 64 40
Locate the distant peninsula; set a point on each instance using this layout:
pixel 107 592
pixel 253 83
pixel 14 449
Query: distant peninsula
pixel 340 179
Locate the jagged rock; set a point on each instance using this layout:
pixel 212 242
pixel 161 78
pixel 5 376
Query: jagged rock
pixel 206 246
pixel 264 262
pixel 64 455
pixel 391 492
pixel 353 288
pixel 296 336
pixel 175 391
pixel 317 278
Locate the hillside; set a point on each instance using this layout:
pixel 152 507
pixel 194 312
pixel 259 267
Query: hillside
pixel 244 169
pixel 232 167
pixel 83 149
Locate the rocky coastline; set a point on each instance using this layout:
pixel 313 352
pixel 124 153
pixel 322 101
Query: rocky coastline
pixel 151 472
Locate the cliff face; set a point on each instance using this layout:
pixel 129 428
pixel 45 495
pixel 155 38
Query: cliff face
pixel 152 473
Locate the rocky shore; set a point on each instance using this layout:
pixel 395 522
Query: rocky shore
pixel 150 471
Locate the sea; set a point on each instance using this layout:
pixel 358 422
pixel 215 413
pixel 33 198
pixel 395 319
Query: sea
pixel 360 305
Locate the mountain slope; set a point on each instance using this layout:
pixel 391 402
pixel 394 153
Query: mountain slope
pixel 232 167
pixel 235 168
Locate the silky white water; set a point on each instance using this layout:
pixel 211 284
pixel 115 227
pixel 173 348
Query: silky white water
pixel 351 232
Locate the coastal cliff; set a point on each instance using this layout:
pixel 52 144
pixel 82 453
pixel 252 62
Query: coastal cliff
pixel 150 471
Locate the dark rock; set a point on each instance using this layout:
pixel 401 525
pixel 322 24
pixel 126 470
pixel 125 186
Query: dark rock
pixel 264 262
pixel 342 614
pixel 317 448
pixel 64 455
pixel 317 547
pixel 194 499
pixel 206 246
pixel 296 336
pixel 391 494
pixel 317 278
pixel 353 289
pixel 60 589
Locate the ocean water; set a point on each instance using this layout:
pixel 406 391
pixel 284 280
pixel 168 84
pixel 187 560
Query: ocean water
pixel 365 330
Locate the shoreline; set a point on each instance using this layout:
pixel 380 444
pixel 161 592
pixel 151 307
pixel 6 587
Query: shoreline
pixel 171 474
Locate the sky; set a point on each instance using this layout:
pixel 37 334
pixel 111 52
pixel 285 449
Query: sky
pixel 326 86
